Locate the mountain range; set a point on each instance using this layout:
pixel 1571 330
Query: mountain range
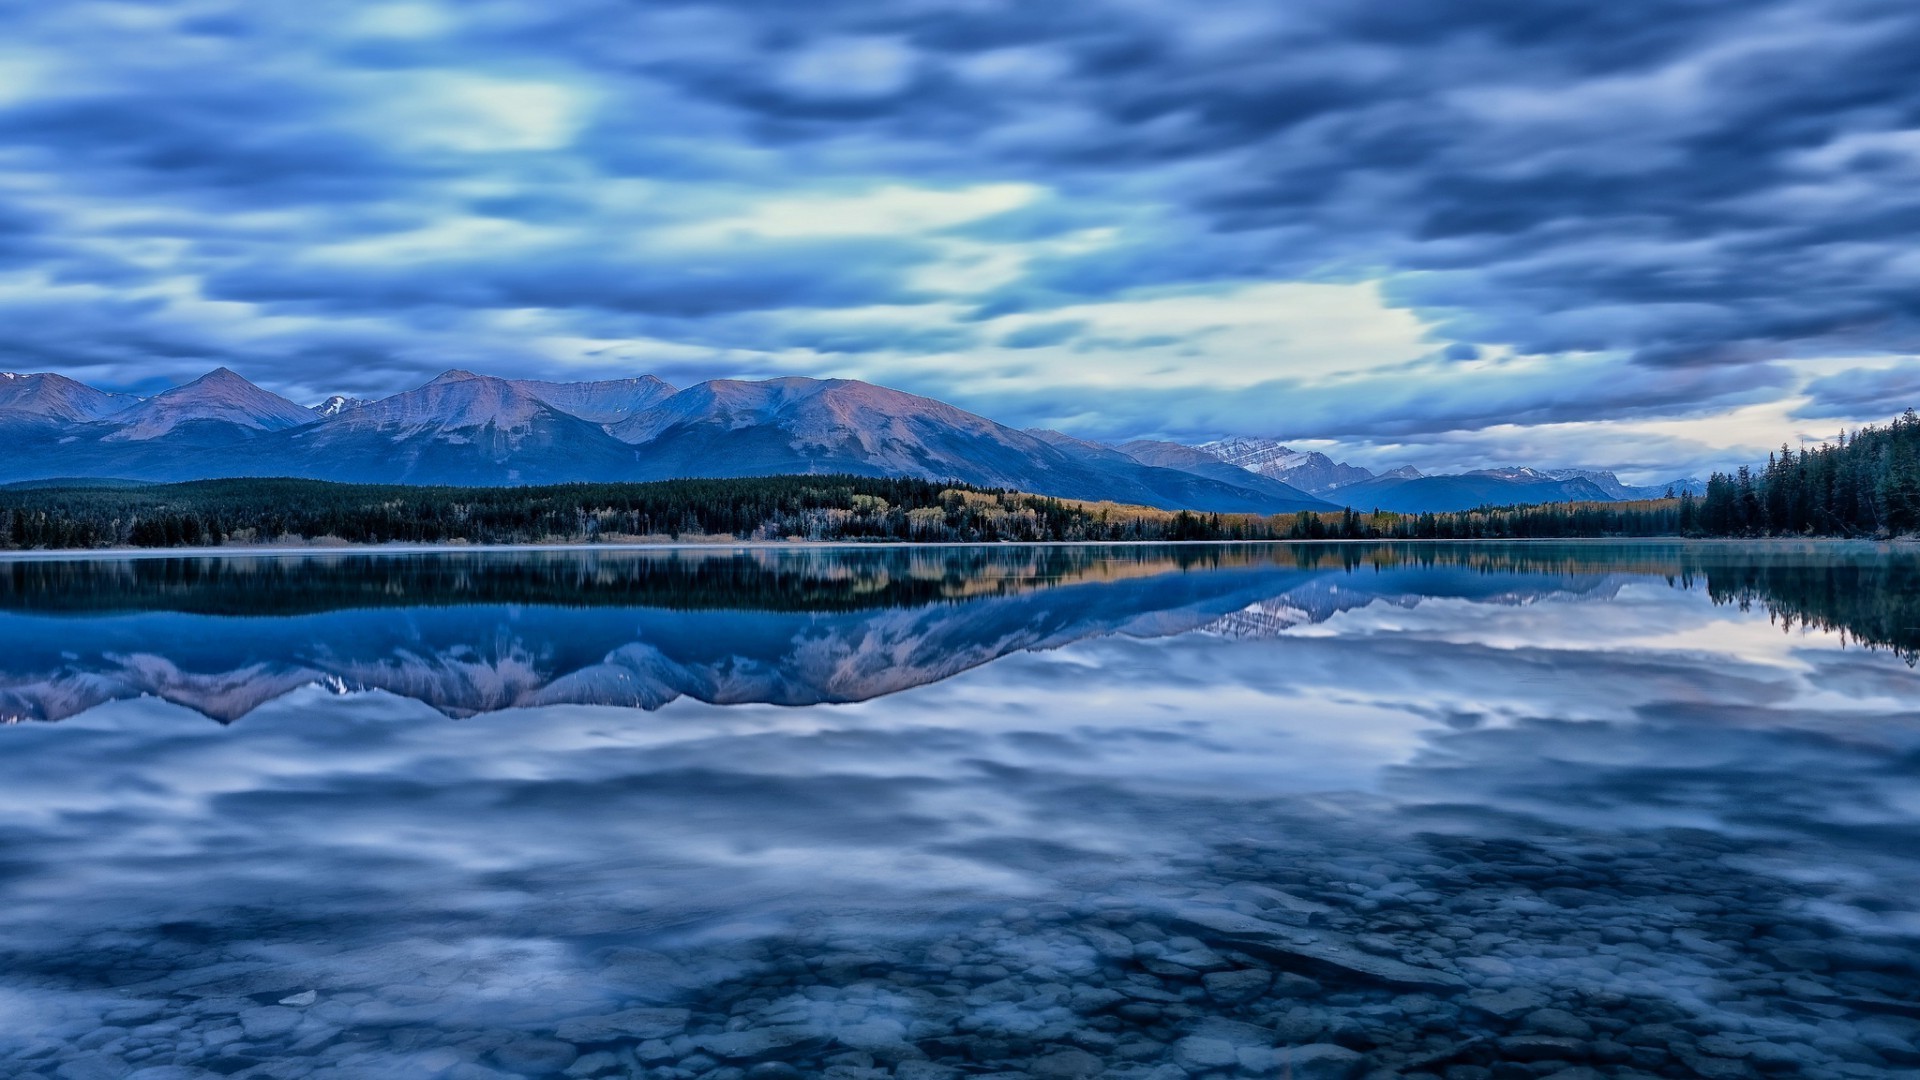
pixel 463 428
pixel 1407 490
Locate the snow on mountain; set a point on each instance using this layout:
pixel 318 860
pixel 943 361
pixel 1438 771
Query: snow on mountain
pixel 338 404
pixel 218 397
pixel 1174 458
pixel 1611 484
pixel 1600 478
pixel 1254 455
pixel 1309 470
pixel 1341 483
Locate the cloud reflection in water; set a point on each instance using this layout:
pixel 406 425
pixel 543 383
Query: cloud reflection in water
pixel 1126 733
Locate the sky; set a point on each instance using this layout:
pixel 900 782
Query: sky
pixel 1660 237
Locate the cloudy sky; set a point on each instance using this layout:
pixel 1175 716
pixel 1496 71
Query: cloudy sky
pixel 1658 236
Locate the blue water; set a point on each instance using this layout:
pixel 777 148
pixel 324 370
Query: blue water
pixel 1461 811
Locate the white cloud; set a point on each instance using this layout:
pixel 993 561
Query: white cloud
pixel 1237 336
pixel 452 238
pixel 1017 66
pixel 890 210
pixel 477 114
pixel 849 68
pixel 22 75
pixel 402 21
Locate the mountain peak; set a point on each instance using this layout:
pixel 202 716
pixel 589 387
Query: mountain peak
pixel 338 404
pixel 456 375
pixel 39 396
pixel 221 379
pixel 1309 470
pixel 221 395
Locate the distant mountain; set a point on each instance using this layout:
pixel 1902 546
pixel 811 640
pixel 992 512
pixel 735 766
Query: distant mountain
pixel 795 425
pixel 44 397
pixel 1309 471
pixel 1174 459
pixel 1683 485
pixel 1397 489
pixel 1609 483
pixel 220 400
pixel 1464 491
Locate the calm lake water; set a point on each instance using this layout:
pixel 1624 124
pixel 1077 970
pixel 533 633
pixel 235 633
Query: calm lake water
pixel 1478 812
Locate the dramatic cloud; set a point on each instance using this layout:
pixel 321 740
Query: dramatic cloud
pixel 1394 225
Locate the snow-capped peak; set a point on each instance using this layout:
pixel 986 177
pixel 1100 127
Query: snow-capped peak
pixel 338 404
pixel 1255 454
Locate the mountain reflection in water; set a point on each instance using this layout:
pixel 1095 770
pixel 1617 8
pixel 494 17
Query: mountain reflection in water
pixel 1480 812
pixel 472 633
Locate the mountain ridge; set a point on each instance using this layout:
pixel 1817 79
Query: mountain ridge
pixel 470 429
pixel 30 395
pixel 463 428
pixel 220 396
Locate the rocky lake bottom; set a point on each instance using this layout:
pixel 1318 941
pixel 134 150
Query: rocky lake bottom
pixel 1557 813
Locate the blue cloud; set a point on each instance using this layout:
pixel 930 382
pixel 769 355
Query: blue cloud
pixel 1703 190
pixel 1042 334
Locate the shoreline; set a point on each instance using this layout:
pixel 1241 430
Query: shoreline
pixel 311 550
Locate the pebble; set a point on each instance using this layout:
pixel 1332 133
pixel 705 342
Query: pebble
pixel 1442 958
pixel 639 1024
pixel 535 1056
pixel 1235 987
pixel 1320 1061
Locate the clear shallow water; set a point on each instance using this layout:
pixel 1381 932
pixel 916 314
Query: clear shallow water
pixel 1462 811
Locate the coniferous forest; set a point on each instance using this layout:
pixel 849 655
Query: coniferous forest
pixel 1867 484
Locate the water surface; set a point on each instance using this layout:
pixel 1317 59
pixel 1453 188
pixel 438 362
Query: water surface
pixel 1465 810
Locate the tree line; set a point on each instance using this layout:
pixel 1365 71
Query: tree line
pixel 1864 484
pixel 212 513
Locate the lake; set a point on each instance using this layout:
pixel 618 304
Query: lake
pixel 1480 812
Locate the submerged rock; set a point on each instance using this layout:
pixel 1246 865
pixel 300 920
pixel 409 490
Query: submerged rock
pixel 1320 949
pixel 641 1024
pixel 757 1043
pixel 1319 1061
